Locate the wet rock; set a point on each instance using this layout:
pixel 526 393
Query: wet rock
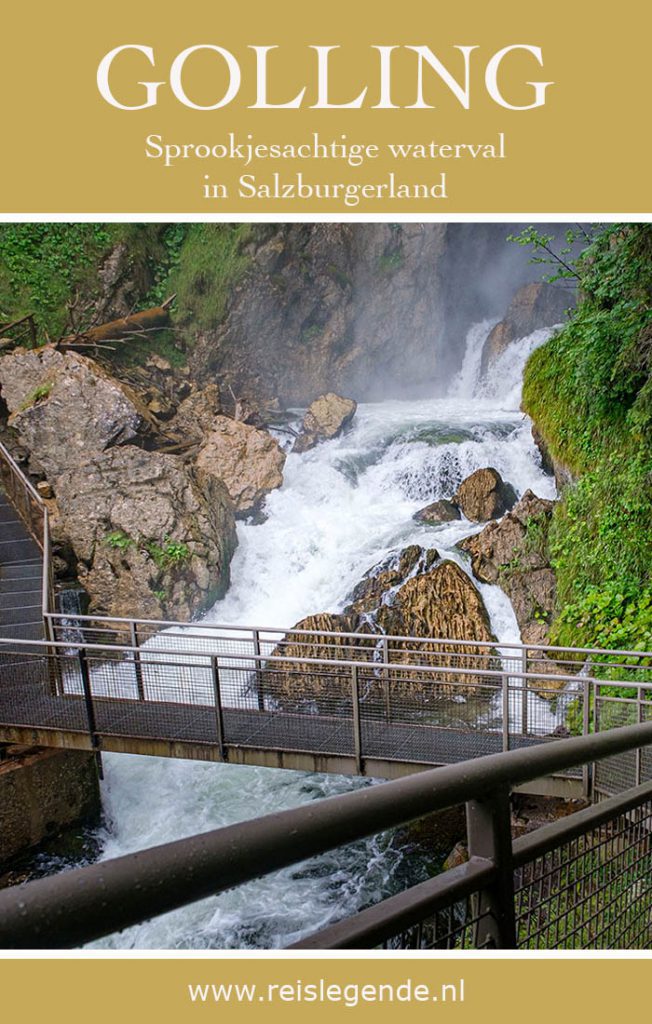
pixel 153 538
pixel 534 306
pixel 484 495
pixel 442 511
pixel 65 408
pixel 514 554
pixel 436 601
pixel 379 583
pixel 249 461
pixel 439 603
pixel 325 419
pixel 301 684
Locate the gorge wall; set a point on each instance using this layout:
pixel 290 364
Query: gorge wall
pixel 370 310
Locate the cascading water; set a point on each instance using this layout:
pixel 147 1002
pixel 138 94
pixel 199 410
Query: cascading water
pixel 343 506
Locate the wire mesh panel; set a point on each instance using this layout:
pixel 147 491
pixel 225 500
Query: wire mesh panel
pixel 30 684
pixel 617 706
pixel 591 892
pixel 458 926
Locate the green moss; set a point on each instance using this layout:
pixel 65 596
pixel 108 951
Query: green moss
pixel 37 395
pixel 210 263
pixel 588 390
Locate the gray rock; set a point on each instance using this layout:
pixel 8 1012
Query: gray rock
pixel 443 511
pixel 153 538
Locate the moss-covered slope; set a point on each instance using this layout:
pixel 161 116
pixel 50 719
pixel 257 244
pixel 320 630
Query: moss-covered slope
pixel 589 391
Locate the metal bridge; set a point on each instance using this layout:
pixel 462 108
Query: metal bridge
pixel 383 706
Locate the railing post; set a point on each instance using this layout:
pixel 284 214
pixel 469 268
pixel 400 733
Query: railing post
pixel 259 675
pixel 587 774
pixel 219 715
pixel 357 734
pixel 138 665
pixel 639 720
pixel 505 684
pixel 489 833
pixel 524 694
pixel 386 681
pixel 90 709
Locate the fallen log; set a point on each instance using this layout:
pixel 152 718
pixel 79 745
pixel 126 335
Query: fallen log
pixel 155 319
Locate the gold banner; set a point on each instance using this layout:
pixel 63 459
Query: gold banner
pixel 452 110
pixel 457 992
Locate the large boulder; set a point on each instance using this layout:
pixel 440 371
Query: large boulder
pixel 534 306
pixel 325 419
pixel 153 538
pixel 484 495
pixel 434 601
pixel 248 460
pixel 66 409
pixel 514 554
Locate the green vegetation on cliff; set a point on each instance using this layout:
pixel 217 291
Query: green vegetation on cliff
pixel 54 270
pixel 589 391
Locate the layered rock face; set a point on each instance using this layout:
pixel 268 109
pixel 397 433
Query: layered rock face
pixel 371 311
pixel 412 594
pixel 534 306
pixel 249 462
pixel 327 417
pixel 514 554
pixel 151 535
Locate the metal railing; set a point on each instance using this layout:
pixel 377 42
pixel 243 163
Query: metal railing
pixel 583 882
pixel 35 516
pixel 229 693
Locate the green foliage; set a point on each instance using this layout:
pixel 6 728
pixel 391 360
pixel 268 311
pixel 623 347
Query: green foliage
pixel 39 393
pixel 43 265
pixel 209 262
pixel 589 391
pixel 165 555
pixel 119 540
pixel 169 553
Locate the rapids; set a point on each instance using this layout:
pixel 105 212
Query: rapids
pixel 343 506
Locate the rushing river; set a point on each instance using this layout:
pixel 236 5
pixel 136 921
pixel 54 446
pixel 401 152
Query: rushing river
pixel 343 506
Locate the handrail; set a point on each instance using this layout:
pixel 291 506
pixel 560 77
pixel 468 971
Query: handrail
pixel 391 916
pixel 168 654
pixel 17 472
pixel 44 541
pixel 492 645
pixel 86 903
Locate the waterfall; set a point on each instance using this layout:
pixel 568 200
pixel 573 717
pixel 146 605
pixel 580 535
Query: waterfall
pixel 343 507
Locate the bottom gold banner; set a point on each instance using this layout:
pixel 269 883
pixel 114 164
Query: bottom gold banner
pixel 456 990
